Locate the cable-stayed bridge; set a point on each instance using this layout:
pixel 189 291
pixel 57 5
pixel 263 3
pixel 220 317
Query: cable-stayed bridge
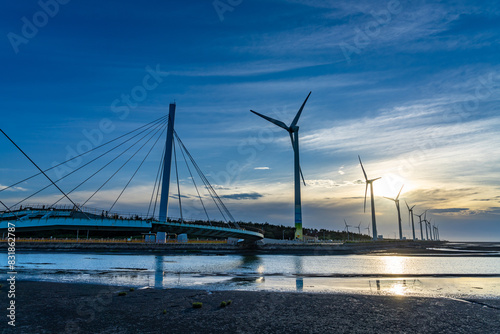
pixel 78 217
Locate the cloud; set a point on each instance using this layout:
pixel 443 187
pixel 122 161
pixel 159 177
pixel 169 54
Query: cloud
pixel 6 188
pixel 243 196
pixel 449 210
pixel 176 196
pixel 262 168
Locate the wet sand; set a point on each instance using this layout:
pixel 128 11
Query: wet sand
pixel 43 307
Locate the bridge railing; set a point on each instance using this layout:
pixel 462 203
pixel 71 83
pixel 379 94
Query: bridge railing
pixel 124 215
pixel 108 240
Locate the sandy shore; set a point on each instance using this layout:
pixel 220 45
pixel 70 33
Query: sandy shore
pixel 43 307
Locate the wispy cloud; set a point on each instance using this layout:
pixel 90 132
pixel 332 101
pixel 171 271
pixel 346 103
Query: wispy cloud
pixel 243 196
pixel 6 188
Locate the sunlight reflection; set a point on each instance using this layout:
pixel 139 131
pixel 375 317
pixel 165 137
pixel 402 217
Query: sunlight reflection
pixel 394 264
pixel 398 288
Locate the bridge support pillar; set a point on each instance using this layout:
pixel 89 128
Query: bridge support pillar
pixel 167 163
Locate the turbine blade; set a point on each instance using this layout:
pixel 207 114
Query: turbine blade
pixel 407 205
pixel 400 191
pixel 272 120
pixel 392 199
pixel 376 179
pixel 293 141
pixel 366 177
pixel 303 180
pixel 366 191
pixel 300 168
pixel 296 119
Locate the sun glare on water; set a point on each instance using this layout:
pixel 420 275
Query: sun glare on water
pixel 394 265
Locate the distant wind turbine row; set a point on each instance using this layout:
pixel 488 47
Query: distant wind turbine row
pixel 293 131
pixel 431 232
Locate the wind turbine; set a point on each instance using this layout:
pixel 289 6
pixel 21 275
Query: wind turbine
pixel 370 182
pixel 347 229
pixel 430 229
pixel 358 227
pixel 293 131
pixel 425 222
pixel 420 221
pixel 396 201
pixel 368 228
pixel 410 214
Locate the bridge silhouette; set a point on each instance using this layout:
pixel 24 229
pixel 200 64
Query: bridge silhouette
pixel 80 217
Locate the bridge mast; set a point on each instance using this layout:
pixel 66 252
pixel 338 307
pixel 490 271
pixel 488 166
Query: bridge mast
pixel 167 163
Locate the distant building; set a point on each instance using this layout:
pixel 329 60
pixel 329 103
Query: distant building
pixel 161 237
pixel 308 238
pixel 149 237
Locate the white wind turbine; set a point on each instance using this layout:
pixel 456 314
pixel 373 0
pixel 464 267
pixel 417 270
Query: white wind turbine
pixel 430 229
pixel 420 221
pixel 293 131
pixel 347 229
pixel 358 227
pixel 370 182
pixel 426 223
pixel 410 214
pixel 396 201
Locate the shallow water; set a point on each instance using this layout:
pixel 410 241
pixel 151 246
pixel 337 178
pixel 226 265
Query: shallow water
pixel 367 274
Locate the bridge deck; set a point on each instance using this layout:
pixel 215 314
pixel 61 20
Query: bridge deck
pixel 46 219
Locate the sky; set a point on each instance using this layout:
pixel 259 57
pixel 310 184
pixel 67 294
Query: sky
pixel 412 87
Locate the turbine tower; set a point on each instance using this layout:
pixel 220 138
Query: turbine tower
pixel 425 222
pixel 293 131
pixel 370 182
pixel 420 221
pixel 430 229
pixel 396 201
pixel 410 214
pixel 347 229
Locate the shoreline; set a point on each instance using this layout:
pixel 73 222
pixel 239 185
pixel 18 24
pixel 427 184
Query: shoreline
pixel 403 248
pixel 47 307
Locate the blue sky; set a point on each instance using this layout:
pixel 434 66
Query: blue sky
pixel 411 86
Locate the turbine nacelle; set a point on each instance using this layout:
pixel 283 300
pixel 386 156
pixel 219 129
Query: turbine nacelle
pixel 368 182
pixel 292 129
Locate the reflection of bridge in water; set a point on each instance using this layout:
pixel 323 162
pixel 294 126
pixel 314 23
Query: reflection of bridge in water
pixel 77 217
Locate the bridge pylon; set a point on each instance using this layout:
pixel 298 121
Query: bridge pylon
pixel 167 164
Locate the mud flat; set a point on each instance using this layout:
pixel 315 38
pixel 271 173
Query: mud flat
pixel 327 248
pixel 43 307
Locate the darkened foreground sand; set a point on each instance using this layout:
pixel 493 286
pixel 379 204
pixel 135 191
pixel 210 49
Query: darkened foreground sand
pixel 43 307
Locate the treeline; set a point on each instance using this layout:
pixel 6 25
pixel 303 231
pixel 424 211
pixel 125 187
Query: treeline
pixel 288 232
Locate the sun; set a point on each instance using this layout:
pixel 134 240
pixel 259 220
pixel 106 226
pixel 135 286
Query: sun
pixel 390 185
